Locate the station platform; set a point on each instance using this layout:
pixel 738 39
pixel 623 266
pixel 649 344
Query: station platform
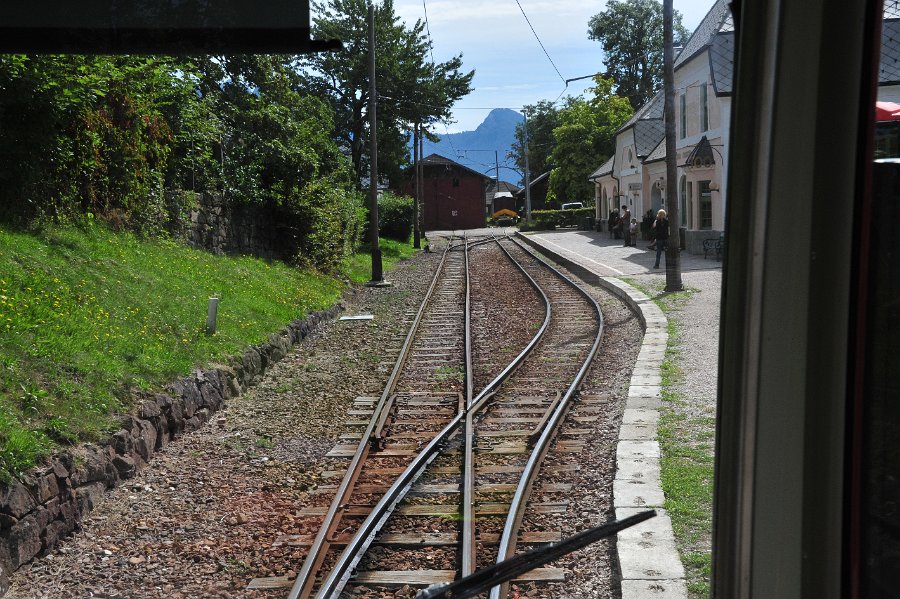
pixel 606 257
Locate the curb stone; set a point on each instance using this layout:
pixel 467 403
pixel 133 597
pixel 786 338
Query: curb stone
pixel 41 507
pixel 648 558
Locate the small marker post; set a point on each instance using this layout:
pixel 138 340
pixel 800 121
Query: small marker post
pixel 211 312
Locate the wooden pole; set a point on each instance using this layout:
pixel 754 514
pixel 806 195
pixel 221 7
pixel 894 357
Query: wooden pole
pixel 422 180
pixel 527 172
pixel 673 249
pixel 417 233
pixel 377 273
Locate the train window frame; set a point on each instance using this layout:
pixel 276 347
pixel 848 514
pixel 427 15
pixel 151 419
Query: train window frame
pixel 790 298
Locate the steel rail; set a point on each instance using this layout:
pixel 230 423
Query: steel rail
pixel 306 578
pixel 365 535
pixel 517 505
pixel 469 557
pixel 354 550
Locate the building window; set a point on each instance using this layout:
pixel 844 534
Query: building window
pixel 683 127
pixel 690 204
pixel 705 205
pixel 704 108
pixel 682 202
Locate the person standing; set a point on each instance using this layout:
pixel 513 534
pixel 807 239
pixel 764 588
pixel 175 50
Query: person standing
pixel 661 233
pixel 626 222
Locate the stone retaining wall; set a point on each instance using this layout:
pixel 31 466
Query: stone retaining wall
pixel 210 223
pixel 41 507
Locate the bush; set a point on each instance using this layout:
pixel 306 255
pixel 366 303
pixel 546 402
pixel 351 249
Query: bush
pixel 550 219
pixel 395 216
pixel 324 223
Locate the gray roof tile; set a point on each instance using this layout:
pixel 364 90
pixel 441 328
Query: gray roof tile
pixel 647 135
pixel 651 110
pixel 605 169
pixel 721 63
pixel 889 73
pixel 659 153
pixel 716 20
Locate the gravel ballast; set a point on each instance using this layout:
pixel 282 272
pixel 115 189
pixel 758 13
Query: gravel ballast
pixel 212 510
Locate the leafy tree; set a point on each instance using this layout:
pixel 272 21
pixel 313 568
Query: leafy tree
pixel 543 118
pixel 585 138
pixel 85 133
pixel 631 33
pixel 410 88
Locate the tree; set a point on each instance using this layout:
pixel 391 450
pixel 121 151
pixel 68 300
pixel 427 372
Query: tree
pixel 543 118
pixel 631 33
pixel 585 137
pixel 410 89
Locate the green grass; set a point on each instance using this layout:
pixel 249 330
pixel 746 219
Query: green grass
pixel 687 444
pixel 359 267
pixel 87 316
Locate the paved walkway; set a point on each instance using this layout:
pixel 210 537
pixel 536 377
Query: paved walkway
pixel 648 556
pixel 607 257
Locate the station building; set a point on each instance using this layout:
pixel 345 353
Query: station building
pixel 636 174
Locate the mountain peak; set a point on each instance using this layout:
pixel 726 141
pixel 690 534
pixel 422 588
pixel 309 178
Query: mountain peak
pixel 500 118
pixel 478 149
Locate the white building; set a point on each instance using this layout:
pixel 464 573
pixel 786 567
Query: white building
pixel 636 176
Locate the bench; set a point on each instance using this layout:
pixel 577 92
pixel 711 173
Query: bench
pixel 714 245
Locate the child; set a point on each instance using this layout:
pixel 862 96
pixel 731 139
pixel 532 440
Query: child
pixel 633 230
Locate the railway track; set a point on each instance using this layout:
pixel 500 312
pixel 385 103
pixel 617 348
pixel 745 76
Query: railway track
pixel 462 464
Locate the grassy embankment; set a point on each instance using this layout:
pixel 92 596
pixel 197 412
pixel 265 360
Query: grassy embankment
pixel 687 441
pixel 87 315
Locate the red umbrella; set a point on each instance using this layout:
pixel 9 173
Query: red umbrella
pixel 887 111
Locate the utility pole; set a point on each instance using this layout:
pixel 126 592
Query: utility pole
pixel 417 240
pixel 497 174
pixel 527 172
pixel 673 249
pixel 422 180
pixel 377 273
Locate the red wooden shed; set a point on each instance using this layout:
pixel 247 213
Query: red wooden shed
pixel 453 197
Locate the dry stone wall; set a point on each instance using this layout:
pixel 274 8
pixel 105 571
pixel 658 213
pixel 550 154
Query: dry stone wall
pixel 41 507
pixel 209 222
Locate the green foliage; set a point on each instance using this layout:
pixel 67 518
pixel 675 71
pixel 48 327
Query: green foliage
pixel 543 118
pixel 120 137
pixel 395 216
pixel 585 138
pixel 85 134
pixel 325 224
pixel 358 267
pixel 631 33
pixel 414 89
pixel 550 219
pixel 87 315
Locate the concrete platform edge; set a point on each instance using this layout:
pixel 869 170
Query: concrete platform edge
pixel 658 543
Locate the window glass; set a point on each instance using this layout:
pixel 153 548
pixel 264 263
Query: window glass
pixel 704 108
pixel 705 205
pixel 879 480
pixel 683 126
pixel 682 202
pixel 690 204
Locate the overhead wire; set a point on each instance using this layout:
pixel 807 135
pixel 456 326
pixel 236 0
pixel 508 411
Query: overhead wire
pixel 527 20
pixel 431 50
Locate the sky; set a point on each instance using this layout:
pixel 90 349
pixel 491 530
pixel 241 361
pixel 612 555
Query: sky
pixel 511 69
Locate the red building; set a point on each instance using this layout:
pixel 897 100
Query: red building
pixel 453 197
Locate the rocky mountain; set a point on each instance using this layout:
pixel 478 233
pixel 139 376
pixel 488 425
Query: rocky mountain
pixel 475 149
